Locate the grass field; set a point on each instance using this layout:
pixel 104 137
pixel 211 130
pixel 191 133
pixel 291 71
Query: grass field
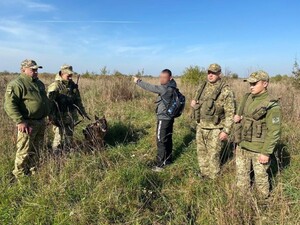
pixel 117 186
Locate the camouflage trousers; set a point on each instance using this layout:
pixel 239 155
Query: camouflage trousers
pixel 246 163
pixel 208 151
pixel 28 148
pixel 63 137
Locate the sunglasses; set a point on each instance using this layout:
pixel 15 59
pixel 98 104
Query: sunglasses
pixel 214 73
pixel 253 84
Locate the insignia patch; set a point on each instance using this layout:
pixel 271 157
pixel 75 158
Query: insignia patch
pixel 275 120
pixel 9 90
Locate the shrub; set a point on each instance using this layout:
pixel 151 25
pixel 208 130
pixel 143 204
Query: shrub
pixel 234 76
pixel 193 75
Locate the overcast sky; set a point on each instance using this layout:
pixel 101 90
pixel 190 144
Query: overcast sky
pixel 132 35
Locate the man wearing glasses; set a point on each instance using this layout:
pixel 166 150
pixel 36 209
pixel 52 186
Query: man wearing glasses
pixel 260 119
pixel 214 108
pixel 26 103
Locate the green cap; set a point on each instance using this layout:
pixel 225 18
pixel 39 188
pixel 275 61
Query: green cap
pixel 257 76
pixel 66 69
pixel 29 63
pixel 216 68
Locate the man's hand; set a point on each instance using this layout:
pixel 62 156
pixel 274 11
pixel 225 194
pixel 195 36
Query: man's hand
pixel 24 128
pixel 263 159
pixel 193 103
pixel 223 136
pixel 136 79
pixel 237 118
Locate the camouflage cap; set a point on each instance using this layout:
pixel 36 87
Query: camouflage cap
pixel 29 63
pixel 216 68
pixel 66 69
pixel 257 76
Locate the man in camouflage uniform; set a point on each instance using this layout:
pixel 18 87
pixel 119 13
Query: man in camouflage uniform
pixel 65 104
pixel 214 108
pixel 260 119
pixel 26 103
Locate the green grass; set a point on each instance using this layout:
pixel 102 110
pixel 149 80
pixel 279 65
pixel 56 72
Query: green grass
pixel 117 186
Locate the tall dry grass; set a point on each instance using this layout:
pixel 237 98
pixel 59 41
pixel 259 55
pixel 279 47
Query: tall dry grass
pixel 116 186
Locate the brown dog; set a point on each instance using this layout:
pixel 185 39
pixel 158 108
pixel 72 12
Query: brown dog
pixel 95 132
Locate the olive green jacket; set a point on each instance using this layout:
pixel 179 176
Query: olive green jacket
pixel 26 98
pixel 269 126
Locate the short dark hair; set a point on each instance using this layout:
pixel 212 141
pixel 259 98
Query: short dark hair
pixel 169 72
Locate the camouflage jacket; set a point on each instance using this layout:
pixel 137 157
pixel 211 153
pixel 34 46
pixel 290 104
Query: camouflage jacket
pixel 260 134
pixel 26 98
pixel 65 100
pixel 222 108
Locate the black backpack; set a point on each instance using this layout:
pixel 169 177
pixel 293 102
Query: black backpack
pixel 176 105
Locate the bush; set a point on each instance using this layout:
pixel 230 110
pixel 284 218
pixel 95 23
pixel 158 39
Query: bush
pixel 193 75
pixel 279 78
pixel 296 75
pixel 118 74
pixel 234 76
pixel 88 74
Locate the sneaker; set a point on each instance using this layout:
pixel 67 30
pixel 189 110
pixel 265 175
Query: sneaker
pixel 157 169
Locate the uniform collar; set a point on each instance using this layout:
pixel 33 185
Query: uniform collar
pixel 28 78
pixel 216 83
pixel 260 96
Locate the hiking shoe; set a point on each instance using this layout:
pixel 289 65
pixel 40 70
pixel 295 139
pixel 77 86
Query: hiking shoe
pixel 157 169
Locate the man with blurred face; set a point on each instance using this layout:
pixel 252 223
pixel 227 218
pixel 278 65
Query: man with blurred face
pixel 26 103
pixel 164 122
pixel 214 108
pixel 65 103
pixel 260 119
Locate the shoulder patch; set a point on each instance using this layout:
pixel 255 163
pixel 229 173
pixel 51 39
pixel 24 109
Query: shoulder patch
pixel 276 120
pixel 9 89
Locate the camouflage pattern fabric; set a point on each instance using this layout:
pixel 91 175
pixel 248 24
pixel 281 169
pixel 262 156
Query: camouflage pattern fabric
pixel 208 151
pixel 257 76
pixel 245 162
pixel 216 68
pixel 26 102
pixel 29 63
pixel 66 69
pixel 63 96
pixel 29 147
pixel 261 128
pixel 208 130
pixel 225 103
pixel 63 137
